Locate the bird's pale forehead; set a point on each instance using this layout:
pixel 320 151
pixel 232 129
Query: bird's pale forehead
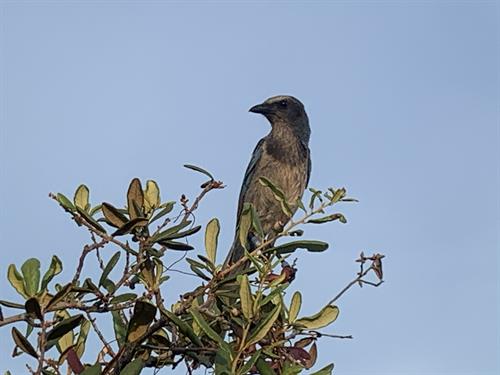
pixel 279 98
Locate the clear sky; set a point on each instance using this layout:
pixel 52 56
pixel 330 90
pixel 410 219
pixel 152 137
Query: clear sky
pixel 403 100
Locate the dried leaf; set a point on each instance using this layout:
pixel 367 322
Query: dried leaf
pixel 23 343
pixel 113 216
pixel 313 353
pixel 64 327
pixel 129 226
pixel 135 199
pixel 144 313
pixel 33 308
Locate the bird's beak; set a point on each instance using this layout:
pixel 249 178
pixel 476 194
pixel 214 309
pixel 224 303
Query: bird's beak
pixel 263 109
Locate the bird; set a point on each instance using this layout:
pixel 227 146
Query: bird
pixel 282 157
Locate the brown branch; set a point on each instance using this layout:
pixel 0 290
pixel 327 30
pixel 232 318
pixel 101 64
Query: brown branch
pixel 100 335
pixel 42 338
pixel 14 318
pixel 211 185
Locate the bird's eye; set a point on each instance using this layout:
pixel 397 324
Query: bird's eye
pixel 283 104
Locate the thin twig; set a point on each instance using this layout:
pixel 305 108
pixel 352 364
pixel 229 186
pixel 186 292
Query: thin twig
pixel 99 334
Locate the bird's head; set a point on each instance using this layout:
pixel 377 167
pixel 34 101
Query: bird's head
pixel 283 109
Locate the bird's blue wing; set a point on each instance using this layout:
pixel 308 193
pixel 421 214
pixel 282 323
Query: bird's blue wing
pixel 249 175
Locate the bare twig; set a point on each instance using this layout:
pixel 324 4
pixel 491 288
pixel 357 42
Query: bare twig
pixel 100 335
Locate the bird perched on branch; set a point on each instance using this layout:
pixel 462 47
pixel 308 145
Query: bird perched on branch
pixel 283 158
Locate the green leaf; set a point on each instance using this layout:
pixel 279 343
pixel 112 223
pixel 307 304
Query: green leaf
pixel 66 340
pixel 250 363
pixel 174 245
pixel 144 313
pixel 65 202
pixel 322 319
pixel 316 194
pixel 198 272
pixel 92 370
pixel 133 368
pixel 119 326
pixel 326 219
pixel 168 207
pixel 246 297
pixel 55 268
pixel 129 226
pixel 276 291
pixel 123 298
pixel 113 216
pixel 263 328
pixel 222 362
pixel 327 370
pixel 338 195
pixel 300 205
pixel 294 307
pixel 170 231
pixel 31 274
pixel 59 296
pixel 184 328
pixel 81 199
pixel 264 368
pixel 245 223
pixel 256 223
pixel 290 247
pixel 185 233
pixel 90 220
pixel 198 318
pixel 207 263
pixel 109 267
pixel 211 239
pixel 12 305
pixel 278 195
pixel 151 196
pixel 135 199
pixel 23 343
pixel 82 338
pixel 95 209
pixel 64 327
pixel 198 169
pixel 16 280
pixel 33 308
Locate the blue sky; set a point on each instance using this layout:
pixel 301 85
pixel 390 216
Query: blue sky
pixel 403 102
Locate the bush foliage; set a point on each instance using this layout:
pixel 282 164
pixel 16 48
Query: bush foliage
pixel 235 322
